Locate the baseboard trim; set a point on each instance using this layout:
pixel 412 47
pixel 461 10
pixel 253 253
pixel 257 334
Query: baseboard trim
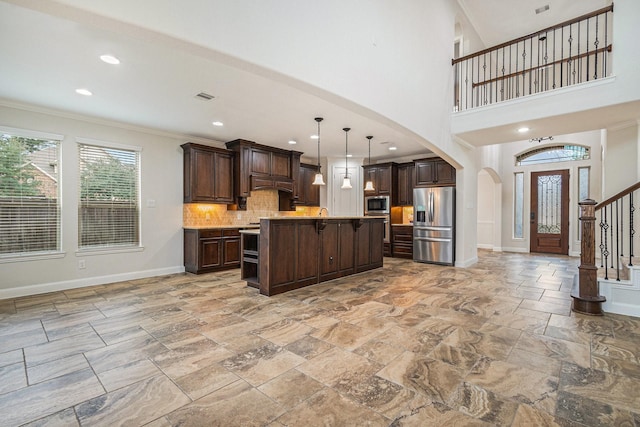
pixel 484 246
pixel 65 285
pixel 520 250
pixel 467 263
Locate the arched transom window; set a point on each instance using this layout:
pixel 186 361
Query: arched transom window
pixel 552 154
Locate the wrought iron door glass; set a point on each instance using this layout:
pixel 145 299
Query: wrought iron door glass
pixel 549 204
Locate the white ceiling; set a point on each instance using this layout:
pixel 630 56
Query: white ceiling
pixel 47 53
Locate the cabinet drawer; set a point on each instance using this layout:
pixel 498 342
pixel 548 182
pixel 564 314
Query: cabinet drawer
pixel 403 238
pixel 402 249
pixel 207 234
pixel 231 233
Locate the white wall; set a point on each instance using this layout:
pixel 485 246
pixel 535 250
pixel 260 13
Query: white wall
pixel 161 165
pixel 486 212
pixel 620 159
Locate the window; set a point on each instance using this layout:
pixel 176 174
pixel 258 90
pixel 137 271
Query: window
pixel 29 193
pixel 518 205
pixel 108 214
pixel 553 153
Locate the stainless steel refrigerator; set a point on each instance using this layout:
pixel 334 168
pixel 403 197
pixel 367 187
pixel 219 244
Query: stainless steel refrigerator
pixel 434 217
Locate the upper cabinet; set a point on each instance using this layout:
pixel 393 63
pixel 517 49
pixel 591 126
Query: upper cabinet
pixel 259 166
pixel 208 174
pixel 385 180
pixel 308 194
pixel 406 172
pixel 433 172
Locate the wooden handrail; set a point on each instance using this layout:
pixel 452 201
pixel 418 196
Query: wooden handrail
pixel 621 194
pixel 537 33
pixel 519 73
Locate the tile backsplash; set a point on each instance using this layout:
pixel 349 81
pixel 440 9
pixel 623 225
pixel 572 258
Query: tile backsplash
pixel 261 203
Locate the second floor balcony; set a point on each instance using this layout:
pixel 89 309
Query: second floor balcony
pixel 569 53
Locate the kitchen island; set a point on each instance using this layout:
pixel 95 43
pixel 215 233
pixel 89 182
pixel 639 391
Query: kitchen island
pixel 293 252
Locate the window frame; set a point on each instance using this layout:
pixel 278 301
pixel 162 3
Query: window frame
pixel 58 252
pixel 89 250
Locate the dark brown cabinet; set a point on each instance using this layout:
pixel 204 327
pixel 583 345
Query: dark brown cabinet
pixel 402 241
pixel 337 249
pixel 385 179
pixel 208 174
pixel 370 247
pixel 308 194
pixel 208 249
pixel 296 252
pixel 406 172
pixel 259 167
pixel 434 172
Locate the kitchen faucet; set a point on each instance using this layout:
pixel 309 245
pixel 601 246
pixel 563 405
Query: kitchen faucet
pixel 323 209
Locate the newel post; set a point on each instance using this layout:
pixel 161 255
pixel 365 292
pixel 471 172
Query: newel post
pixel 584 292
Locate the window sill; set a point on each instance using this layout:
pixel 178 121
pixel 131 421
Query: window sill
pixel 108 251
pixel 31 257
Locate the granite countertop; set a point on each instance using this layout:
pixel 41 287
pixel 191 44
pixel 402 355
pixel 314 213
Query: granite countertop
pixel 220 227
pixel 276 218
pixel 250 231
pixel 406 225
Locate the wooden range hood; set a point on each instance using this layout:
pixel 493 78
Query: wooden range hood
pixel 260 167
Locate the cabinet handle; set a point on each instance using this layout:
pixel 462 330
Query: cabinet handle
pixel 330 260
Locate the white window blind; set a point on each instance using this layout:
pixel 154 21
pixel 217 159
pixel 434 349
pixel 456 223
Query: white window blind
pixel 108 214
pixel 29 193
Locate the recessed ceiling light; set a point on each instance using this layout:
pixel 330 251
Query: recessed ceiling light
pixel 314 136
pixel 523 129
pixel 393 148
pixel 349 155
pixel 292 142
pixel 216 123
pixel 85 92
pixel 110 59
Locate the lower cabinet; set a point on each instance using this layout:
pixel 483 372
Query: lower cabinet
pixel 402 241
pixel 211 249
pixel 337 250
pixel 295 252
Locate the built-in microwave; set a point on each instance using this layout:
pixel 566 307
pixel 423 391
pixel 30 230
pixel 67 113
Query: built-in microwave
pixel 376 205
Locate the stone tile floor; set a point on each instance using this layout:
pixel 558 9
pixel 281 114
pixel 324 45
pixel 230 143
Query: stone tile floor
pixel 409 345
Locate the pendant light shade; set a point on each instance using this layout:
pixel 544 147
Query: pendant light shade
pixel 346 182
pixel 369 185
pixel 318 179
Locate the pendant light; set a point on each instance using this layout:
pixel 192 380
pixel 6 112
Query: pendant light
pixel 369 185
pixel 346 183
pixel 318 179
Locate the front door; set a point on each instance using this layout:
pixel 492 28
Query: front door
pixel 549 217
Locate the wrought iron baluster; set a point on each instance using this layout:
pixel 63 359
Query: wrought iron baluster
pixel 595 44
pixel 632 230
pixel 611 231
pixel 622 227
pixel 605 252
pixel 601 239
pixel 617 257
pixel 587 57
pixel 606 37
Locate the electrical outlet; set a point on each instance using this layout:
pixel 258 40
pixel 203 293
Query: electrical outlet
pixel 207 216
pixel 81 264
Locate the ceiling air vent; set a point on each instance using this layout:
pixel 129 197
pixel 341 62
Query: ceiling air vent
pixel 205 96
pixel 542 9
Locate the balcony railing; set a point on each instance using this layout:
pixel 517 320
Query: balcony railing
pixel 565 54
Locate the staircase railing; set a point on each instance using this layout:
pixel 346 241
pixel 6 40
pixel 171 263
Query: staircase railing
pixel 565 54
pixel 616 235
